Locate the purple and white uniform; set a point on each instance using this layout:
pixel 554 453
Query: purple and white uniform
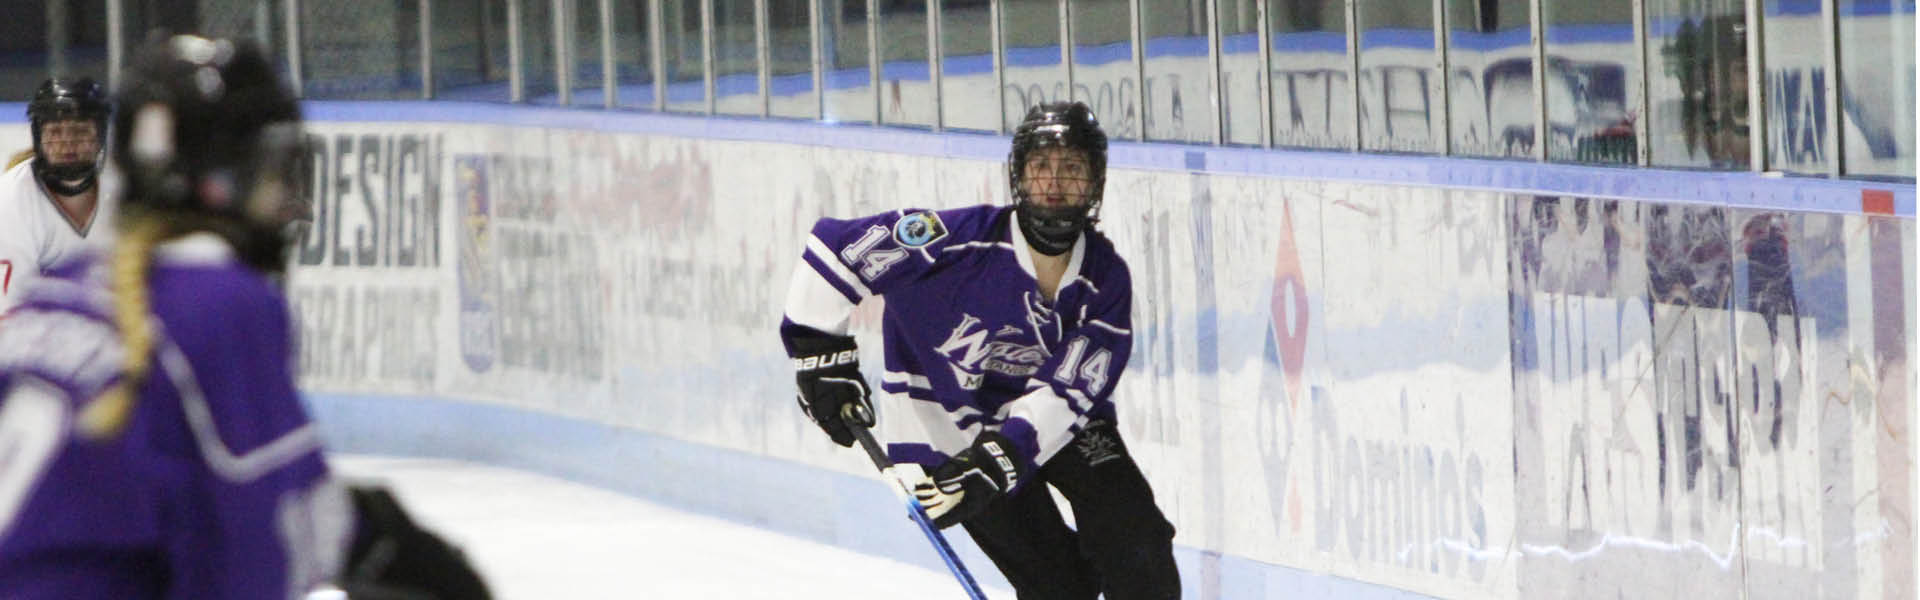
pixel 969 338
pixel 214 490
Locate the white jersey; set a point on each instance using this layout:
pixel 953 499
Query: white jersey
pixel 36 234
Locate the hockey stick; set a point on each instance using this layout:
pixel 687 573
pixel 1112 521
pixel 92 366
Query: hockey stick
pixel 854 416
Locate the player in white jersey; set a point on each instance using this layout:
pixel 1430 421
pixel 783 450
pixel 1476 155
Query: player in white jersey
pixel 51 202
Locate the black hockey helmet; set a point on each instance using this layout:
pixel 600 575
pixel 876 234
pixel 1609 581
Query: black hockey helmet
pixel 1053 229
pixel 63 99
pixel 206 131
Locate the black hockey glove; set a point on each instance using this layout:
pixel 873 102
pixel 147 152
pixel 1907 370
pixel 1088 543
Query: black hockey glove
pixel 966 484
pixel 392 558
pixel 827 369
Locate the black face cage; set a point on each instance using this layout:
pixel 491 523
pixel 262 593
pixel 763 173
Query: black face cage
pixel 1084 137
pixel 62 100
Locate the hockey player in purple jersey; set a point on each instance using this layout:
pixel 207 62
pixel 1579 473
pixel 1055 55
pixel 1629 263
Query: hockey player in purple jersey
pixel 1006 329
pixel 152 444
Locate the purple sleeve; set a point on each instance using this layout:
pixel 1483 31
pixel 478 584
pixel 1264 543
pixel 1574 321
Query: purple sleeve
pixel 254 497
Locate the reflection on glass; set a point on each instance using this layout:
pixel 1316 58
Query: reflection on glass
pixel 1399 90
pixel 1490 87
pixel 1593 81
pixel 790 54
pixel 1179 90
pixel 1876 87
pixel 906 82
pixel 1240 70
pixel 75 47
pixel 1031 29
pixel 633 54
pixel 539 80
pixel 1796 75
pixel 966 66
pixel 685 69
pixel 844 41
pixel 588 79
pixel 1103 73
pixel 365 50
pixel 1697 83
pixel 736 59
pixel 263 21
pixel 1312 95
pixel 470 50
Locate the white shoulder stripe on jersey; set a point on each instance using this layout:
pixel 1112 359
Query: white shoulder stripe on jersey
pixel 234 468
pixel 1052 419
pixel 912 380
pixel 1109 327
pixel 813 302
pixel 1080 398
pixel 828 258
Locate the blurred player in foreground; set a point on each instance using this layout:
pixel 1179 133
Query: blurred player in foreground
pixel 51 203
pixel 151 441
pixel 1006 329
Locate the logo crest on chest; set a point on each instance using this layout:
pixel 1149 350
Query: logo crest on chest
pixel 971 354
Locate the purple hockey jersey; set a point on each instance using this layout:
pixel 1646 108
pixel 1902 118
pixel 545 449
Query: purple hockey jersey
pixel 969 338
pixel 214 490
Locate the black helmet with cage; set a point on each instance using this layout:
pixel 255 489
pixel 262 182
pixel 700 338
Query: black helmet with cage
pixel 68 99
pixel 1052 229
pixel 207 135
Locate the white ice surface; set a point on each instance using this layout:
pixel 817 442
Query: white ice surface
pixel 536 538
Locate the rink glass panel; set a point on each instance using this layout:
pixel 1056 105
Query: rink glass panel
pixel 1311 75
pixel 538 77
pixel 1400 87
pixel 360 50
pixel 1697 83
pixel 1794 81
pixel 967 93
pixel 1490 78
pixel 1877 87
pixel 684 56
pixel 844 41
pixel 906 80
pixel 736 60
pixel 470 53
pixel 589 79
pixel 1104 76
pixel 1179 89
pixel 29 35
pixel 633 54
pixel 1239 31
pixel 790 61
pixel 1031 33
pixel 1593 82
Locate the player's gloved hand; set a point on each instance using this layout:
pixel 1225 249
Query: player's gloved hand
pixel 827 369
pixel 970 481
pixel 391 557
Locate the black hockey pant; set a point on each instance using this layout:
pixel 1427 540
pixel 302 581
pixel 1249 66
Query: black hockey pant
pixel 1124 545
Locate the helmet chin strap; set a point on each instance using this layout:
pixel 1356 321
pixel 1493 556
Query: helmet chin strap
pixel 1049 231
pixel 67 187
pixel 66 180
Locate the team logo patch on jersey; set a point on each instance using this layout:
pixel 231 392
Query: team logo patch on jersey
pixel 919 229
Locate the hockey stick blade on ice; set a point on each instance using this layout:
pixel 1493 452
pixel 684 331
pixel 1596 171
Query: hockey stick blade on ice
pixel 855 416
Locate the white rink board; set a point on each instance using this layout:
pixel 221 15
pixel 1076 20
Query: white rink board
pixel 1324 376
pixel 1405 390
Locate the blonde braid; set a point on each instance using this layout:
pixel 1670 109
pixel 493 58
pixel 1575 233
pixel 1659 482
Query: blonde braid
pixel 131 258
